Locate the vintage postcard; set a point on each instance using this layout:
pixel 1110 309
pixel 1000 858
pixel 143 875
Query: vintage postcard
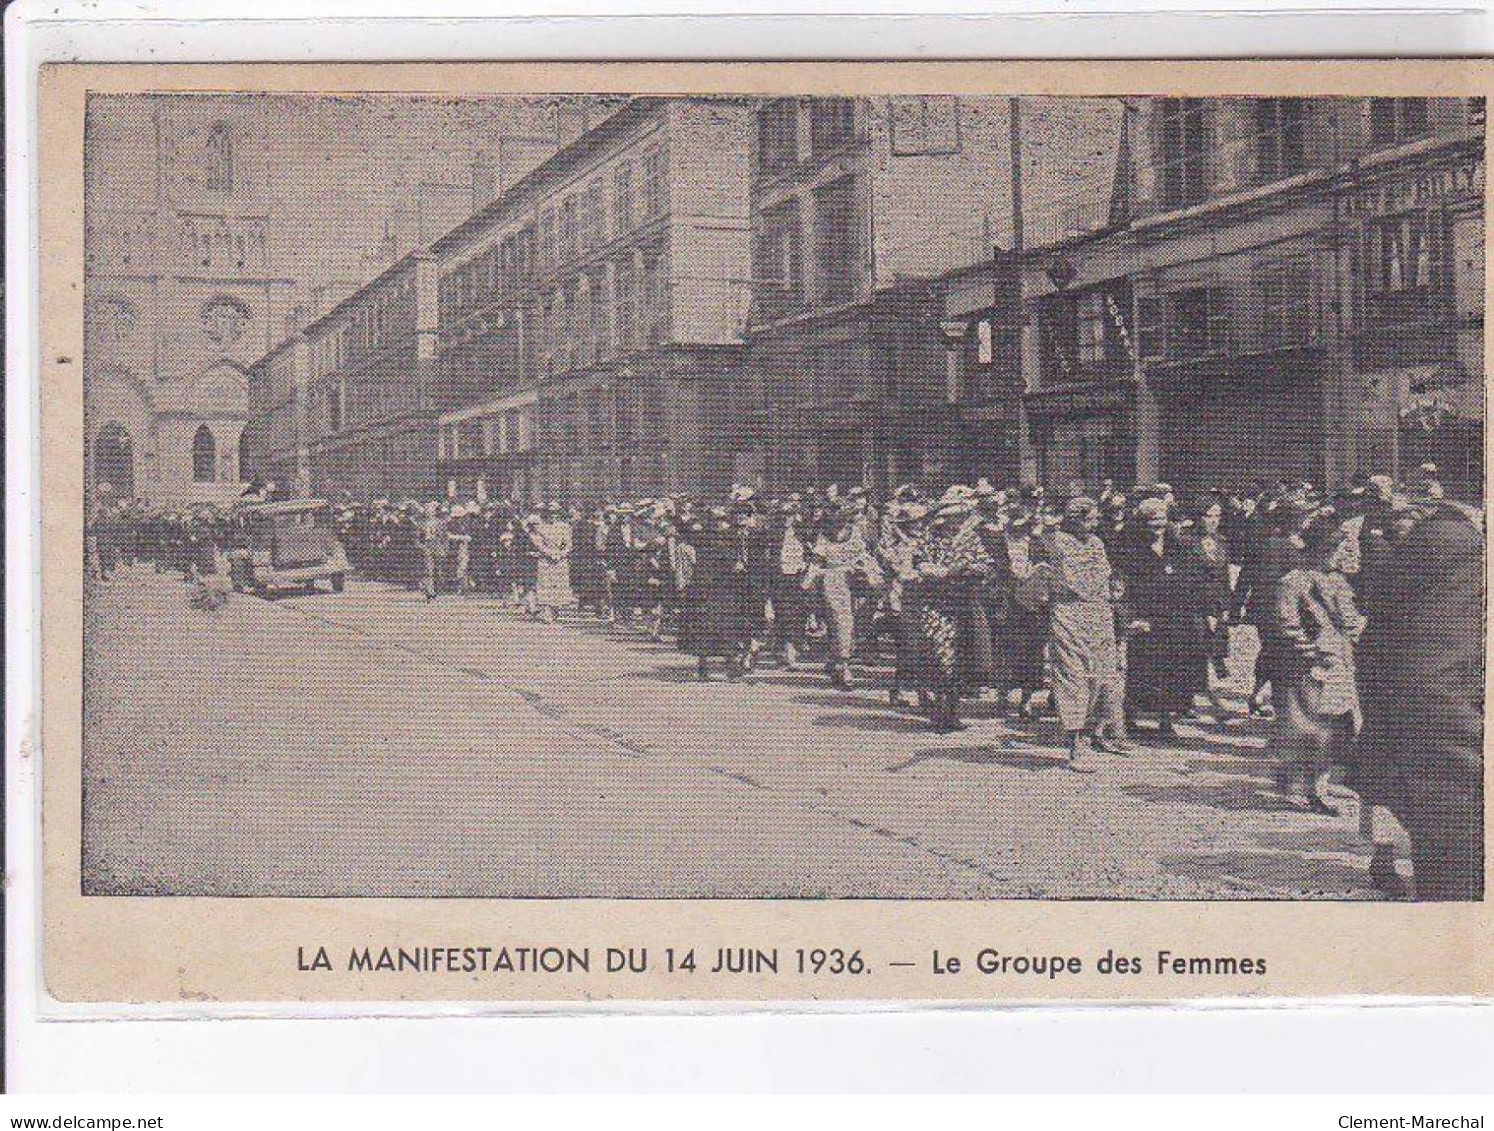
pixel 757 532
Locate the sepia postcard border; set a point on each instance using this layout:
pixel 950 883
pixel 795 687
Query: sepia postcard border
pixel 244 949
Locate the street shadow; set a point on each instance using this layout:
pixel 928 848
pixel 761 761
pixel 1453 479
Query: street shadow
pixel 1238 795
pixel 676 673
pixel 1294 875
pixel 981 756
pixel 1230 763
pixel 1338 837
pixel 886 721
pixel 841 699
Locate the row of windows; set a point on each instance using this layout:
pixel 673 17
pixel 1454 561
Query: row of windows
pixel 1279 136
pixel 1405 267
pixel 608 208
pixel 831 127
pixel 599 315
pixel 505 433
pixel 629 417
pixel 1093 331
pixel 385 319
pixel 779 288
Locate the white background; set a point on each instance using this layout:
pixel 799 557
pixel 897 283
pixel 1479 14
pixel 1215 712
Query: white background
pixel 1286 1048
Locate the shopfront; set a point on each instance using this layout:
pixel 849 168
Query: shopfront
pixel 1419 314
pixel 1228 423
pixel 1083 435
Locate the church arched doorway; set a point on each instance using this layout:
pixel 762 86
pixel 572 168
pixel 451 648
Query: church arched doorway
pixel 114 461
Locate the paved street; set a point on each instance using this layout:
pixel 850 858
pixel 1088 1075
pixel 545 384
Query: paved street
pixel 369 743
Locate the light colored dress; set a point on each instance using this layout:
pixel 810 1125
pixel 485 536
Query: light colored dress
pixel 837 560
pixel 552 541
pixel 1086 662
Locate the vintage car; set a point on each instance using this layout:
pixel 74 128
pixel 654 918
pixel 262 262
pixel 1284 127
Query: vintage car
pixel 286 545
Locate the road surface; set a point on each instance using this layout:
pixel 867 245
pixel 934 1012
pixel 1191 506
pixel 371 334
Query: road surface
pixel 371 744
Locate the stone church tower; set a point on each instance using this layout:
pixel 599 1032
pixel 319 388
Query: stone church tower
pixel 183 290
pixel 217 224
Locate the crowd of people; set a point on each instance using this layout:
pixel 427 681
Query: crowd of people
pixel 1117 610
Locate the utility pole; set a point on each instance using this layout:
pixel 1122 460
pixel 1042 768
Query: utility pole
pixel 1015 119
pixel 1026 461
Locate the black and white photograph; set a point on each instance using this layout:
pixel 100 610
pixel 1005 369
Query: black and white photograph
pixel 793 497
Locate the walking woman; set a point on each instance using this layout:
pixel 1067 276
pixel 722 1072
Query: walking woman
pixel 1317 692
pixel 1274 556
pixel 951 562
pixel 840 555
pixel 551 535
pixel 790 604
pixel 1023 636
pixel 1166 661
pixel 898 548
pixel 435 541
pixel 715 613
pixel 1086 665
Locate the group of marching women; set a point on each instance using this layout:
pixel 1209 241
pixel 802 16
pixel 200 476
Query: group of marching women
pixel 1112 610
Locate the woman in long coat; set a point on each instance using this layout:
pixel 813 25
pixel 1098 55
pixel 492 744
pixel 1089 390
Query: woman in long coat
pixel 1166 657
pixel 1273 556
pixel 1216 592
pixel 716 602
pixel 1023 635
pixel 1086 662
pixel 1317 693
pixel 897 550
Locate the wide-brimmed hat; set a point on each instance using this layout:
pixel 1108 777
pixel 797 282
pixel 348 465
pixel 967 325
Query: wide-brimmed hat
pixel 1151 508
pixel 1079 506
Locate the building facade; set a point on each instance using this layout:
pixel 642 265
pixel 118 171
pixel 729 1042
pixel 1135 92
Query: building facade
pixel 1295 291
pixel 570 341
pixel 218 224
pixel 859 205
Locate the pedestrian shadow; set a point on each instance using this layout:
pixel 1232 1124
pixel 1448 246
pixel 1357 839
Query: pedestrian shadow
pixel 1238 795
pixel 982 756
pixel 840 699
pixel 1228 763
pixel 1273 875
pixel 677 673
pixel 1313 838
pixel 884 721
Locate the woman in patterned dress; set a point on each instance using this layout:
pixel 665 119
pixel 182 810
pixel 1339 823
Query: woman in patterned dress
pixel 950 564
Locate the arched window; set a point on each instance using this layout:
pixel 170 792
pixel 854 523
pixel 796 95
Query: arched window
pixel 114 462
pixel 220 159
pixel 204 456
